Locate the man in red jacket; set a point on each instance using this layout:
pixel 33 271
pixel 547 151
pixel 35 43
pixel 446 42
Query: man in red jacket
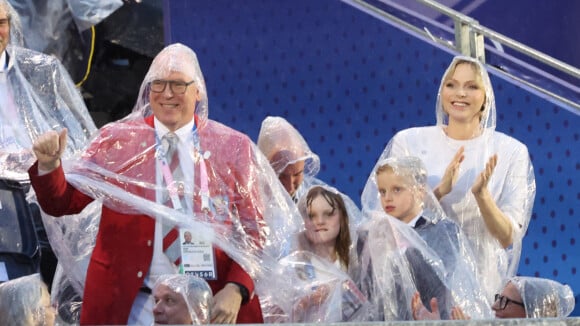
pixel 219 195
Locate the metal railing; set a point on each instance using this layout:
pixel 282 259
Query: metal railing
pixel 469 39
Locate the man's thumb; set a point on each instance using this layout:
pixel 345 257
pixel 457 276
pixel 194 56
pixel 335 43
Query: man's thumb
pixel 62 139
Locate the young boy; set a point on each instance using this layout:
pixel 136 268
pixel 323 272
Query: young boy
pixel 404 195
pixel 402 185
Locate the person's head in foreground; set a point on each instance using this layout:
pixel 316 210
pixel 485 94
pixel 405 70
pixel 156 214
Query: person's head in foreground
pixel 181 300
pixel 521 297
pixel 25 301
pixel 401 184
pixel 533 297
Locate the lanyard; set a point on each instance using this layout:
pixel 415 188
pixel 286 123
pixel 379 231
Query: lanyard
pixel 175 189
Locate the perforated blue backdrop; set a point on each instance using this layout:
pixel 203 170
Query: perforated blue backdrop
pixel 348 82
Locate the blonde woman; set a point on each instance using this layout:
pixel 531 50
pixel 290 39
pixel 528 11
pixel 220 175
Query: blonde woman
pixel 483 178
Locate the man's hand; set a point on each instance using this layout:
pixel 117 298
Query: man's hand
pixel 226 305
pixel 450 177
pixel 420 312
pixel 48 149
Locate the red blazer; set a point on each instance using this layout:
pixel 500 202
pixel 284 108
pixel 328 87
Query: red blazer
pixel 124 245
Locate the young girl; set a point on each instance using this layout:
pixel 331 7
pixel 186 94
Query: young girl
pixel 326 221
pixel 312 282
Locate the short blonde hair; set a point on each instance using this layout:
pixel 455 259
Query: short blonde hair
pixel 409 167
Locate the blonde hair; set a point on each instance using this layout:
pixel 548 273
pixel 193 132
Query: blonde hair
pixel 409 167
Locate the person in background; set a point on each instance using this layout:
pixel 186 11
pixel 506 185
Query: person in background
pixel 37 94
pixel 291 158
pixel 25 301
pixel 163 170
pixel 521 297
pixel 483 178
pixel 181 299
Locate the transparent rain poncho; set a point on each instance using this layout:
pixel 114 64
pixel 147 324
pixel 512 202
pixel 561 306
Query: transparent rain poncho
pixel 195 291
pixel 242 208
pixel 316 289
pixel 544 298
pixel 36 95
pixel 437 237
pixel 283 145
pixel 25 301
pixel 512 184
pixel 394 264
pixel 311 289
pixel 46 23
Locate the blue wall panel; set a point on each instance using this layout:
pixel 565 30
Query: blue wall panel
pixel 348 82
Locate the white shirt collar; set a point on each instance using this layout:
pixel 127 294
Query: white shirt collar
pixel 413 222
pixel 182 133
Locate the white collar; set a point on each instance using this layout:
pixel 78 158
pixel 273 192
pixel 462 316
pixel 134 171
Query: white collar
pixel 413 222
pixel 182 133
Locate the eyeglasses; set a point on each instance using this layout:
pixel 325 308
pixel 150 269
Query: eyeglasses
pixel 503 301
pixel 176 87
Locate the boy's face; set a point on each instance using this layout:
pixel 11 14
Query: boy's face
pixel 398 199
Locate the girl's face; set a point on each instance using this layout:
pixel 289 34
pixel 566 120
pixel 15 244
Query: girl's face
pixel 463 95
pixel 323 222
pixel 397 198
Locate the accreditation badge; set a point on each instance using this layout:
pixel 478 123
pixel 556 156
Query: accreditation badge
pixel 197 255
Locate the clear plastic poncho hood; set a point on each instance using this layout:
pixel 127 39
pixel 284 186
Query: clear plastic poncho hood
pixel 512 184
pixel 282 145
pixel 195 292
pixel 544 298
